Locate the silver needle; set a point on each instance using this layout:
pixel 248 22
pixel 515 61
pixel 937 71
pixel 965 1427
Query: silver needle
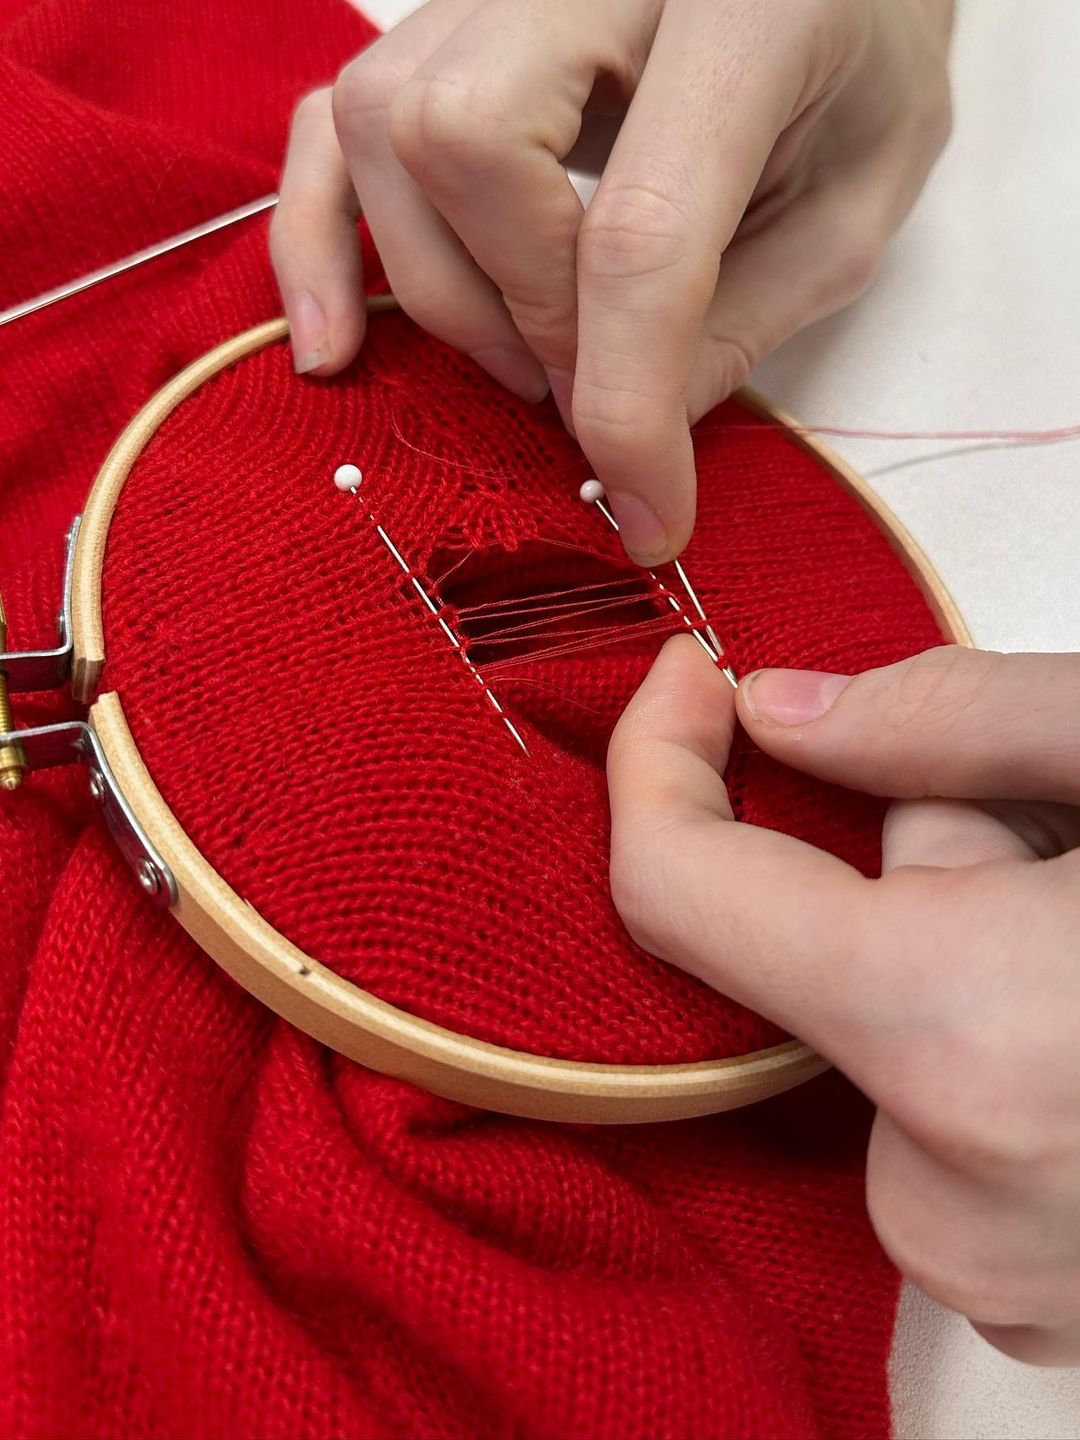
pixel 349 478
pixel 84 282
pixel 712 646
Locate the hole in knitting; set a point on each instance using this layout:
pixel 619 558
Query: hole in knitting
pixel 544 622
pixel 542 600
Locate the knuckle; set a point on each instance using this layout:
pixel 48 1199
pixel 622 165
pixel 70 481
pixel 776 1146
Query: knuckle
pixel 976 1272
pixel 280 237
pixel 855 269
pixel 362 96
pixel 973 1106
pixel 427 307
pixel 547 322
pixel 311 107
pixel 969 1286
pixel 941 688
pixel 929 118
pixel 731 362
pixel 435 119
pixel 295 219
pixel 936 119
pixel 297 231
pixel 984 1134
pixel 945 1260
pixel 632 231
pixel 613 420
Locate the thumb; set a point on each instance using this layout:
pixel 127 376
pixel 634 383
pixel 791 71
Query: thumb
pixel 963 724
pixel 771 922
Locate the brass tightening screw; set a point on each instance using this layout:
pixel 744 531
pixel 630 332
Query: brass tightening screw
pixel 12 756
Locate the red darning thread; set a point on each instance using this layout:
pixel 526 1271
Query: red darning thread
pixel 549 624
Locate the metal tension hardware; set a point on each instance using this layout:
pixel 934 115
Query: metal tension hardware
pixel 71 741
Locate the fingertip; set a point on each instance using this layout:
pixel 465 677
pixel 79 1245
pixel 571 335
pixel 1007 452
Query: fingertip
pixel 684 702
pixel 308 334
pixel 787 699
pixel 515 368
pixel 683 659
pixel 324 339
pixel 647 538
pixel 643 455
pixel 315 245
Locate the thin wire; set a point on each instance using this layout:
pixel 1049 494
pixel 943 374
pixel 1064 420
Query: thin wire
pixel 140 257
pixel 454 641
pixel 991 439
pixel 659 625
pixel 714 654
pixel 515 605
pixel 677 564
pixel 555 624
pixel 517 635
pixel 1002 438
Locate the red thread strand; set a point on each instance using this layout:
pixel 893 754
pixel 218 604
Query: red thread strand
pixel 663 624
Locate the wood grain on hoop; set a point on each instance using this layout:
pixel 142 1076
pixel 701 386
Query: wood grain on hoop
pixel 322 1003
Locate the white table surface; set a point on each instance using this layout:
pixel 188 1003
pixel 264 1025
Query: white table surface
pixel 972 325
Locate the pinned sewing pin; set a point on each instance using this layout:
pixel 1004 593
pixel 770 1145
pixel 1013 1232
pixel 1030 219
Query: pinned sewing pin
pixel 592 492
pixel 348 478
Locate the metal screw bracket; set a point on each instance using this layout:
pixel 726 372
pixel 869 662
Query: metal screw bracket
pixel 46 746
pixel 29 670
pixel 12 754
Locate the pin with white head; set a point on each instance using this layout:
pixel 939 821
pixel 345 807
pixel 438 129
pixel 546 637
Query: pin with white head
pixel 593 493
pixel 348 477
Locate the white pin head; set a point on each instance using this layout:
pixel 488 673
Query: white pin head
pixel 591 492
pixel 348 477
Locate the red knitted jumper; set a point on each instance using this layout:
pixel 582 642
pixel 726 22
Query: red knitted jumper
pixel 209 1226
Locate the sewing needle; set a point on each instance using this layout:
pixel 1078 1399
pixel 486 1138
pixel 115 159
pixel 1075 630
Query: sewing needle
pixel 592 493
pixel 140 257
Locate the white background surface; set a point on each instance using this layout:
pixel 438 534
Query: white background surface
pixel 973 325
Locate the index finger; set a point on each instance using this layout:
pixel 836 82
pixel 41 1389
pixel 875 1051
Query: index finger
pixel 762 917
pixel 695 141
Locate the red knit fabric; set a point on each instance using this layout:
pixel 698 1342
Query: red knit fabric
pixel 208 1225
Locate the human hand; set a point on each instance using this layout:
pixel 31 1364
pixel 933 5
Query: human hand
pixel 948 990
pixel 776 144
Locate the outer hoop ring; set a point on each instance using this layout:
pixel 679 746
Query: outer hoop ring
pixel 310 995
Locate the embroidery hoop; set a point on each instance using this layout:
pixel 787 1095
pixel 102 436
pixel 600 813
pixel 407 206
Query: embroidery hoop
pixel 313 997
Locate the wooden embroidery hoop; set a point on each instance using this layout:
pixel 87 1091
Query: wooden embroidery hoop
pixel 310 995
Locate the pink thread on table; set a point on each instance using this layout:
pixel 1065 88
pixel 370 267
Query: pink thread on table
pixel 989 437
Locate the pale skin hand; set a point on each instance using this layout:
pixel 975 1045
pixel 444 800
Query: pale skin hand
pixel 948 990
pixel 769 150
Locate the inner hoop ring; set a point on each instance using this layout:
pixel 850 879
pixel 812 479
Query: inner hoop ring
pixel 311 996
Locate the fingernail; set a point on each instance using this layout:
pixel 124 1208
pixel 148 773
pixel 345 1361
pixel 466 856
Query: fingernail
pixel 562 392
pixel 519 371
pixel 791 697
pixel 640 528
pixel 307 332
